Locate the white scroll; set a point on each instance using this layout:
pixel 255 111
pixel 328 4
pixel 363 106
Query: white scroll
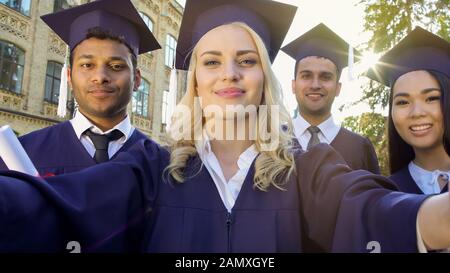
pixel 13 154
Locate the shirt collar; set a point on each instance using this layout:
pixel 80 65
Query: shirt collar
pixel 247 157
pixel 245 160
pixel 81 123
pixel 300 126
pixel 426 180
pixel 328 127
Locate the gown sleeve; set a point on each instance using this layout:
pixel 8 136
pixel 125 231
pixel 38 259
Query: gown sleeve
pixel 103 208
pixel 353 211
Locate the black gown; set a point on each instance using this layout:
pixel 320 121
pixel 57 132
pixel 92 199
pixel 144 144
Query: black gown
pixel 125 205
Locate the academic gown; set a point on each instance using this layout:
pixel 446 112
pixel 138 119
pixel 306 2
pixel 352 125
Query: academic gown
pixel 57 150
pixel 406 183
pixel 104 210
pixel 115 206
pixel 357 151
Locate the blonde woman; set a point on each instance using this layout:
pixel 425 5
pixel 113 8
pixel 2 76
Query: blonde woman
pixel 224 192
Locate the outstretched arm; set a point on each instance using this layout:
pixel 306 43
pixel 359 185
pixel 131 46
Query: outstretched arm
pixel 350 211
pixel 434 222
pixel 102 207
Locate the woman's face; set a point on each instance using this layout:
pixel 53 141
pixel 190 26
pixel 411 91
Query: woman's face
pixel 416 110
pixel 228 70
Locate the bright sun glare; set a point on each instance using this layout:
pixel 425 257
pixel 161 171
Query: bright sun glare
pixel 369 59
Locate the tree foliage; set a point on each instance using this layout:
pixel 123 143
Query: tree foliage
pixel 389 21
pixel 372 125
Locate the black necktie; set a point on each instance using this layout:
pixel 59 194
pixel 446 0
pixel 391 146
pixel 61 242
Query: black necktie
pixel 314 140
pixel 101 143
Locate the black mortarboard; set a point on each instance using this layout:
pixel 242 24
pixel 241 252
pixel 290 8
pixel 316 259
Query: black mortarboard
pixel 271 20
pixel 320 41
pixel 117 16
pixel 419 50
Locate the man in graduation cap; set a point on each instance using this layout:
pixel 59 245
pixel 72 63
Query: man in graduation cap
pixel 105 38
pixel 320 56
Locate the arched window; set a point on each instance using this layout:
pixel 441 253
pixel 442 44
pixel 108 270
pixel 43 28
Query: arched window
pixel 52 81
pixel 22 6
pixel 147 21
pixel 171 45
pixel 140 99
pixel 12 60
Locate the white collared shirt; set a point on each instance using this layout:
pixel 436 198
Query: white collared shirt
pixel 228 191
pixel 427 181
pixel 328 131
pixel 80 124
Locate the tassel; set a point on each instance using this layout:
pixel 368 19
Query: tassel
pixel 75 107
pixel 62 101
pixel 172 96
pixel 350 63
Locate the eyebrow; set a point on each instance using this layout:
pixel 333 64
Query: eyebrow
pixel 117 58
pixel 320 72
pixel 423 92
pixel 112 58
pixel 85 56
pixel 239 53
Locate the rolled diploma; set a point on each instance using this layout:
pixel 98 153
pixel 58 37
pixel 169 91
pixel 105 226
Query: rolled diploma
pixel 13 154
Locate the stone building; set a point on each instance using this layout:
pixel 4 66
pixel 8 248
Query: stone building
pixel 31 58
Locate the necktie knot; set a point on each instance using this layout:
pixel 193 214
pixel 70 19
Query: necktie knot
pixel 313 129
pixel 101 143
pixel 314 140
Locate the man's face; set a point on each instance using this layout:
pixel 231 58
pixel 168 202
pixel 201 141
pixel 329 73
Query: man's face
pixel 315 86
pixel 102 78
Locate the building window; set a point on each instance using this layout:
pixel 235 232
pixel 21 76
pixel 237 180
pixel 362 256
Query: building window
pixel 165 106
pixel 171 45
pixel 147 21
pixel 12 60
pixel 62 5
pixel 140 99
pixel 22 6
pixel 52 82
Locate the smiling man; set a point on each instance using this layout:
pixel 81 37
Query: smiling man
pixel 320 56
pixel 105 38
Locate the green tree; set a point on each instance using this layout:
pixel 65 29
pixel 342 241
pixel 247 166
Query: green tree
pixel 389 21
pixel 373 126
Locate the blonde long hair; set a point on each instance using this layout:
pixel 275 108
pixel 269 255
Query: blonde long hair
pixel 271 167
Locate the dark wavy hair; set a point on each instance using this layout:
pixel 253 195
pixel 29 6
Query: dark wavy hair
pixel 104 34
pixel 400 152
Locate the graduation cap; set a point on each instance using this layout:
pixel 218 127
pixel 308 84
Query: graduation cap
pixel 419 50
pixel 119 17
pixel 321 41
pixel 271 20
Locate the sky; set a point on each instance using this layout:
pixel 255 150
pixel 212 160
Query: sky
pixel 345 18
